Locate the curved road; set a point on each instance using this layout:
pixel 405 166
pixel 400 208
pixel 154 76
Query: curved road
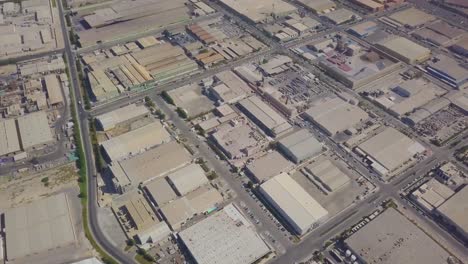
pixel 82 124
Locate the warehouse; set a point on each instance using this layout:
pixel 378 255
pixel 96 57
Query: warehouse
pixel 264 116
pixel 363 29
pixel 187 179
pixel 265 167
pixel 225 237
pixel 160 191
pixel 335 115
pixel 54 89
pixel 410 18
pixel 177 212
pixel 461 46
pixel 391 238
pixel 231 89
pixel 300 146
pixel 262 11
pixel 449 71
pixel 34 130
pixel 389 150
pixel 151 164
pixel 341 16
pixel 454 211
pixel 38 227
pixel 440 33
pixel 205 199
pixel 190 98
pixel 405 50
pixel 370 5
pixel 127 113
pixel 318 6
pixel 139 221
pixel 431 194
pixel 296 206
pixel 328 174
pixel 9 141
pixel 135 141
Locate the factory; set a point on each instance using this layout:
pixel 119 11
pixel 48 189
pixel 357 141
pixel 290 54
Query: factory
pixel 190 98
pixel 160 191
pixel 439 33
pixel 42 226
pixel 128 113
pixel 328 175
pixel 54 90
pixel 277 64
pixel 448 173
pixel 187 179
pixel 135 141
pixel 341 16
pixel 224 237
pixel 453 211
pixel 293 203
pixel 353 64
pixel 389 151
pixel 230 88
pixel 363 29
pixel 318 6
pixel 461 46
pixel 449 71
pixel 34 130
pixel 300 146
pixel 404 50
pixel 410 18
pixel 9 141
pixel 391 238
pixel 267 166
pixel 264 116
pixel 431 194
pixel 263 10
pixel 334 115
pixel 151 164
pixel 370 5
pixel 138 220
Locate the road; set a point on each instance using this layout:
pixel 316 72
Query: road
pixel 82 124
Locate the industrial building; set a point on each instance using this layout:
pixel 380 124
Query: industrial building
pixel 448 173
pixel 267 166
pixel 138 220
pixel 187 179
pixel 449 71
pixel 318 6
pixel 275 65
pixel 431 194
pixel 439 33
pixel 9 141
pixel 335 115
pixel 54 90
pixel 160 191
pixel 404 50
pixel 410 18
pixel 454 211
pixel 328 175
pixel 363 29
pixel 389 150
pixel 239 140
pixel 293 203
pixel 461 46
pixel 341 16
pixel 127 113
pixel 38 227
pixel 224 237
pixel 231 88
pixel 177 212
pixel 34 130
pixel 264 116
pixel 190 98
pixel 151 164
pixel 135 141
pixel 370 5
pixel 300 146
pixel 262 11
pixel 391 238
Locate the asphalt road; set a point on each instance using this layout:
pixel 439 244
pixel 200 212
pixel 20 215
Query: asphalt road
pixel 82 124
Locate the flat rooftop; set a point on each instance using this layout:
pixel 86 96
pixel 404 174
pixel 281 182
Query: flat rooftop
pixel 111 119
pixel 224 237
pixel 300 145
pixel 37 227
pixel 335 115
pixel 328 174
pixel 260 10
pixel 318 6
pixel 405 48
pixel 455 209
pixel 268 166
pixel 412 17
pixel 34 129
pixel 432 194
pixel 391 238
pixel 188 178
pixel 160 190
pixel 9 141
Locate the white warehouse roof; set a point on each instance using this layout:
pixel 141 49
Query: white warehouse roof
pixel 300 209
pixel 188 178
pixel 111 119
pixel 300 145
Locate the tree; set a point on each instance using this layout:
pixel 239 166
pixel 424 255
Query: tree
pixel 182 113
pixel 167 98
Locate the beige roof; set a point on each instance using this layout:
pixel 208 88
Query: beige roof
pixel 412 17
pixel 455 209
pixel 318 5
pixel 391 148
pixel 177 212
pixel 54 89
pixel 296 205
pixel 111 119
pixel 9 141
pixel 260 9
pixel 153 163
pixel 135 141
pixel 335 115
pixel 188 178
pixel 34 129
pixel 329 174
pixel 204 198
pixel 268 166
pixel 38 227
pixel 405 49
pixel 161 191
pixel 391 238
pixel 432 194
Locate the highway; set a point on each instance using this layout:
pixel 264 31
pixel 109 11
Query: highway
pixel 82 124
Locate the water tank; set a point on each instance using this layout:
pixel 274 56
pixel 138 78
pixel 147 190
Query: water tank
pixel 353 258
pixel 348 253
